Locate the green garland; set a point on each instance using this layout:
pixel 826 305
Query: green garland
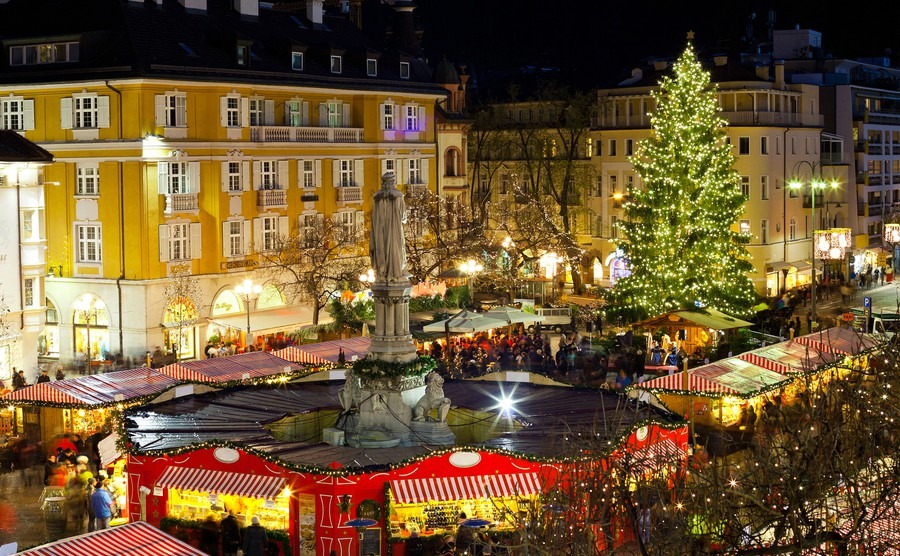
pixel 373 369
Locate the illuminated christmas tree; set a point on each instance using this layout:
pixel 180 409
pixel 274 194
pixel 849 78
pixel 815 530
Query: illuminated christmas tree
pixel 678 230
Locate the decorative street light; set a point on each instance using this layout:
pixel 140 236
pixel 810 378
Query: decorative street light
pixel 814 181
pixel 89 308
pixel 248 292
pixel 367 278
pixel 471 268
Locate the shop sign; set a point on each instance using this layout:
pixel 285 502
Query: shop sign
pixel 847 317
pixel 157 491
pixel 242 263
pixel 269 503
pixel 214 499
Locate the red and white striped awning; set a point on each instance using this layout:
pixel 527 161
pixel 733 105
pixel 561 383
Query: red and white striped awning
pixel 788 358
pixel 675 383
pixel 105 388
pixel 137 537
pixel 412 491
pixel 255 364
pixel 658 455
pixel 221 482
pixel 327 352
pixel 843 341
pixel 297 355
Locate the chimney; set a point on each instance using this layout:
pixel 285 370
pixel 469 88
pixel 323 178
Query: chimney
pixel 404 28
pixel 762 72
pixel 247 7
pixel 314 11
pixel 199 5
pixel 720 60
pixel 779 74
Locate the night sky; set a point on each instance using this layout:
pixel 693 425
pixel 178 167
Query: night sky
pixel 596 36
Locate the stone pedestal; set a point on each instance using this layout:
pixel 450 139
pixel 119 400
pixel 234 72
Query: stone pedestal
pixel 432 432
pixel 391 340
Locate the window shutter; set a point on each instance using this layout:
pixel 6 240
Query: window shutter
pixel 225 166
pixel 336 173
pixel 103 111
pixel 65 113
pixel 193 177
pixel 304 113
pixel 288 109
pixel 245 236
pixel 28 117
pixel 317 177
pixel 284 174
pixel 358 180
pixel 323 115
pixel 257 177
pixel 422 123
pixel 283 227
pixel 320 222
pixel 196 244
pixel 403 165
pixel 160 110
pixel 163 243
pixel 245 111
pixel 381 109
pixel 346 115
pixel 245 175
pixel 269 112
pixel 358 222
pixel 257 234
pixel 403 112
pixel 398 118
pixel 226 241
pixel 162 177
pixel 300 174
pixel 384 168
pixel 223 111
pixel 424 170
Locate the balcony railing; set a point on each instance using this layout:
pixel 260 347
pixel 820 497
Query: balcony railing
pixel 181 202
pixel 416 189
pixel 271 198
pixel 349 194
pixel 291 134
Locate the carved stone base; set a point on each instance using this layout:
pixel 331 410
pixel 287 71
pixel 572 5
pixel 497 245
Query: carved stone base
pixel 431 432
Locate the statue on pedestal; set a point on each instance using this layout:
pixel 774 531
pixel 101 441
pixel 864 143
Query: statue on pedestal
pixel 433 399
pixel 387 247
pixel 349 395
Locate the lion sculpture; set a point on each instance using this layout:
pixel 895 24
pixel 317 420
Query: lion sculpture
pixel 349 395
pixel 433 399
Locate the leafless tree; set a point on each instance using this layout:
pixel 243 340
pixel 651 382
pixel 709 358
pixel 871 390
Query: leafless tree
pixel 183 296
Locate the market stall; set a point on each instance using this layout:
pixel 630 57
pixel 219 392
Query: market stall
pixel 118 541
pixel 252 366
pixel 688 330
pixel 327 352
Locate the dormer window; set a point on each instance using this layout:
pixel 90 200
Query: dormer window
pixel 243 53
pixel 404 70
pixel 297 61
pixel 336 64
pixel 371 67
pixel 47 53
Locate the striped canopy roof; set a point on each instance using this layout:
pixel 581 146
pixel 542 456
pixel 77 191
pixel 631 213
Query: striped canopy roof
pixel 788 358
pixel 327 352
pixel 839 340
pixel 94 390
pixel 255 364
pixel 676 383
pixel 137 537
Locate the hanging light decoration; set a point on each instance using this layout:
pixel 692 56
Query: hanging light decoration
pixel 832 244
pixel 892 233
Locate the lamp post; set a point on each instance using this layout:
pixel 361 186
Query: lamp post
pixel 88 307
pixel 248 291
pixel 470 268
pixel 815 181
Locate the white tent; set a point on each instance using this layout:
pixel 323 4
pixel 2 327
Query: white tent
pixel 465 322
pixel 511 315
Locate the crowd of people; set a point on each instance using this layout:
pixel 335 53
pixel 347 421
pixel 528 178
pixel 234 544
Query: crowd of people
pixel 226 538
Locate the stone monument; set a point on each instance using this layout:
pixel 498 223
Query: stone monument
pixel 385 398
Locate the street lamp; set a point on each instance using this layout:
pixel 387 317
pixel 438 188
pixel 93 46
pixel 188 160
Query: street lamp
pixel 815 181
pixel 88 307
pixel 248 292
pixel 367 278
pixel 470 268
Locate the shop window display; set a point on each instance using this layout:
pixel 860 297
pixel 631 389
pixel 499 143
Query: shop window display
pixel 193 505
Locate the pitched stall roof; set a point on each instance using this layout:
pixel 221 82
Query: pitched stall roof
pixel 729 377
pixel 137 537
pixel 96 390
pixel 839 340
pixel 254 364
pixel 707 318
pixel 789 358
pixel 244 415
pixel 327 352
pixel 15 148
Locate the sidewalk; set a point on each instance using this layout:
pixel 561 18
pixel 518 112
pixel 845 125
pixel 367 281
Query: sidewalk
pixel 21 519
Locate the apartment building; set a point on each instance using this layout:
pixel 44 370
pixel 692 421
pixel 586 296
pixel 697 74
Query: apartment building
pixel 193 133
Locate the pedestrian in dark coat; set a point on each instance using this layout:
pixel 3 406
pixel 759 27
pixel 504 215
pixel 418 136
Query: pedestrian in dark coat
pixel 231 535
pixel 255 539
pixel 209 536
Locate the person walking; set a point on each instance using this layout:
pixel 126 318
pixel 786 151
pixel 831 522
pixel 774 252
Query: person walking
pixel 209 536
pixel 255 539
pixel 231 535
pixel 90 489
pixel 101 503
pixel 60 375
pixel 44 377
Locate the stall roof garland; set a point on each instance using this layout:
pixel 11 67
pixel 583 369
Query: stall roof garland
pixel 375 368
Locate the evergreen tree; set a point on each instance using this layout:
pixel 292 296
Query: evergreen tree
pixel 678 229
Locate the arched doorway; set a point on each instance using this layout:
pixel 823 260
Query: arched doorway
pixel 90 318
pixel 180 322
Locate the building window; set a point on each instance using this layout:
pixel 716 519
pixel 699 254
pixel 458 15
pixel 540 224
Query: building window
pixel 764 231
pixel 48 53
pixel 598 192
pixel 87 179
pixel 297 61
pixel 28 224
pixel 763 145
pixel 233 111
pixel 745 186
pixel 612 147
pixel 308 173
pixel 257 109
pixel 371 67
pixel 88 238
pixel 764 187
pixel 177 178
pixel 347 221
pixel 792 229
pixel 243 54
pixel 744 145
pixel 28 286
pixel 268 174
pixel 415 171
pixel 16 113
pixel 335 64
pixel 179 242
pixel 614 227
pixel 308 230
pixel 387 115
pixel 345 173
pixel 335 118
pixel 452 160
pixel 411 119
pixel 84 111
pixel 744 227
pixel 174 110
pixel 234 238
pixel 629 182
pixel 269 227
pixel 404 70
pixel 233 177
pixel 589 147
pixel 629 147
pixel 613 184
pixel 504 183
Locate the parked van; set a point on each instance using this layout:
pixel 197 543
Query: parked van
pixel 882 321
pixel 557 319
